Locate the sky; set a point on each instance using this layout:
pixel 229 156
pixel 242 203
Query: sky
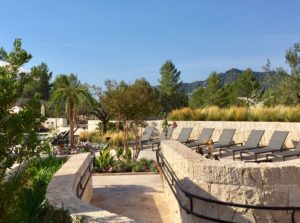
pixel 129 39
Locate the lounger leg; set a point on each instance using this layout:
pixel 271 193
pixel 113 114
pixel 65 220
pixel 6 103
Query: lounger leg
pixel 220 152
pixel 233 155
pixel 241 156
pixel 255 156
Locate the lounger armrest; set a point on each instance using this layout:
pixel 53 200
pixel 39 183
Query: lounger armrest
pixel 233 144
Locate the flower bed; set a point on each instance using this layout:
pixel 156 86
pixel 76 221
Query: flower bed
pixel 112 163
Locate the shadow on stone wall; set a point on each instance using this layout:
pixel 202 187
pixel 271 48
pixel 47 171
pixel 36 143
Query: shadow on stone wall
pixel 205 208
pixel 222 212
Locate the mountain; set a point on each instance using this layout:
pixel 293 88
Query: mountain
pixel 226 78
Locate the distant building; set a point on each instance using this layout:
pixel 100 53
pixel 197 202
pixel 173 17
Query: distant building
pixel 16 109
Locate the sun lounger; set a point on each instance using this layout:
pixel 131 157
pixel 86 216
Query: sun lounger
pixel 252 142
pixel 154 143
pixel 285 154
pixel 184 135
pixel 205 135
pixel 146 136
pixel 225 140
pixel 276 142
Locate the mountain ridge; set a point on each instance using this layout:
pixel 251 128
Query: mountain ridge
pixel 227 77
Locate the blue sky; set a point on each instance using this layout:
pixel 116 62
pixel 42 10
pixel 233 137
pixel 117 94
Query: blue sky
pixel 129 39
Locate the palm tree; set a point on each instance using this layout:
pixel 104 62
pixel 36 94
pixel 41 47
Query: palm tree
pixel 102 115
pixel 69 94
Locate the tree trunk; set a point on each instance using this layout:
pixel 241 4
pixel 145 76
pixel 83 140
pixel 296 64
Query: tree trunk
pixel 71 120
pixel 127 153
pixel 104 127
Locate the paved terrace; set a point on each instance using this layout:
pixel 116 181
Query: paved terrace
pixel 139 197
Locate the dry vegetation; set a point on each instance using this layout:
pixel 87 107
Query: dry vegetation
pixel 115 138
pixel 268 114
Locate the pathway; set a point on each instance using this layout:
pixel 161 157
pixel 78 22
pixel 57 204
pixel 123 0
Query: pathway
pixel 139 197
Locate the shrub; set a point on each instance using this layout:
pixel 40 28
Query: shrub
pixel 116 139
pixel 92 136
pixel 138 167
pixel 22 199
pixel 105 160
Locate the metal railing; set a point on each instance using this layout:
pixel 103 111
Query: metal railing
pixel 173 181
pixel 84 180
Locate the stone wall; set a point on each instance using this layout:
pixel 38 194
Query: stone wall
pixel 61 192
pixel 243 129
pixel 272 184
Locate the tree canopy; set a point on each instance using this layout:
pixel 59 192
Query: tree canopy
pixel 70 95
pixel 18 138
pixel 40 84
pixel 131 104
pixel 170 87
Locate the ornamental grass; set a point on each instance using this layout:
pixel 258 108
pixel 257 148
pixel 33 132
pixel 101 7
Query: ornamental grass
pixel 265 114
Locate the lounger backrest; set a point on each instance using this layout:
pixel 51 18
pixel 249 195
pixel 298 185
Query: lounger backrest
pixel 254 138
pixel 169 134
pixel 147 133
pixel 184 135
pixel 226 136
pixel 277 139
pixel 297 146
pixel 205 135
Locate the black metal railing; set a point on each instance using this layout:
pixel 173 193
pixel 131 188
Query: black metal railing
pixel 84 180
pixel 173 181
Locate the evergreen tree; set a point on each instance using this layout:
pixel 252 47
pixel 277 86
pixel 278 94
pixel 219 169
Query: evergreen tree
pixel 286 91
pixel 245 87
pixel 17 130
pixel 214 94
pixel 170 87
pixel 197 98
pixel 3 54
pixel 40 84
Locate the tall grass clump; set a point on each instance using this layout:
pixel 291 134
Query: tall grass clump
pixel 186 114
pixel 267 114
pixel 235 114
pixel 116 139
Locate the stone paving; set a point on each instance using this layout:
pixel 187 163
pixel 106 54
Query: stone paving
pixel 139 197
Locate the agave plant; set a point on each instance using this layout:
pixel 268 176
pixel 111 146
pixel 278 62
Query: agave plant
pixel 105 160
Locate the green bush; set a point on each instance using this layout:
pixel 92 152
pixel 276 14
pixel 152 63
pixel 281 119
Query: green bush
pixel 266 114
pixel 22 198
pixel 138 167
pixel 105 160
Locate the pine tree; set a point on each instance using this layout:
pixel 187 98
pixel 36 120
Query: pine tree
pixel 246 86
pixel 170 87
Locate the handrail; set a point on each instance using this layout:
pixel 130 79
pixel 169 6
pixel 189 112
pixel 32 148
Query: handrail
pixel 83 181
pixel 173 179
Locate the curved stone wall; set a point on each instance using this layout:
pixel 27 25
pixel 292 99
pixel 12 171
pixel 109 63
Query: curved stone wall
pixel 272 184
pixel 61 192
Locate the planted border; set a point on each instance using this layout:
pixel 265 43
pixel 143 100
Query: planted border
pixel 264 114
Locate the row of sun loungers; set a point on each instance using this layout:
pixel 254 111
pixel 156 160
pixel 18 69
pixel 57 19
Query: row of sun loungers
pixel 225 143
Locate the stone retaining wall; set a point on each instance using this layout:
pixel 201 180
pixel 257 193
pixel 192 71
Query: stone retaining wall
pixel 242 129
pixel 61 192
pixel 272 184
